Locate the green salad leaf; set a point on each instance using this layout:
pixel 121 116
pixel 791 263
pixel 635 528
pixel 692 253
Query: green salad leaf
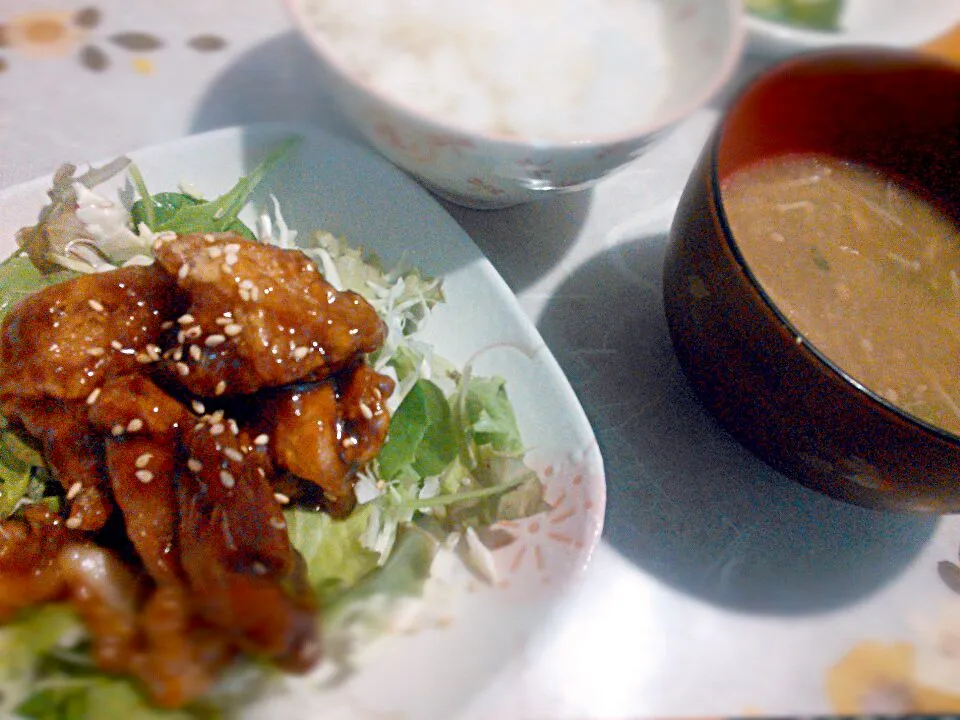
pixel 525 494
pixel 331 549
pixel 157 208
pixel 403 574
pixel 19 277
pixel 18 467
pixel 360 609
pixel 182 213
pixel 59 226
pixel 95 695
pixel 422 438
pixel 487 412
pixel 812 14
pixel 24 642
pixel 456 458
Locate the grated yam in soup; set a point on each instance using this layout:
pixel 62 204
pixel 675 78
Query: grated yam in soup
pixel 549 69
pixel 864 267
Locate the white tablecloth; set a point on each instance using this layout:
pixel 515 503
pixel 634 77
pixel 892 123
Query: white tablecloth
pixel 720 587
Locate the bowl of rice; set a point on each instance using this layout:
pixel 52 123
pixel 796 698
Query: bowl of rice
pixel 491 104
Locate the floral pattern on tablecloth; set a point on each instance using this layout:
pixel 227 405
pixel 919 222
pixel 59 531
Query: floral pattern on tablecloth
pixel 85 37
pixel 897 678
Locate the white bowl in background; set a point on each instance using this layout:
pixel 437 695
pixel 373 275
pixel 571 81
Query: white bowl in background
pixel 889 23
pixel 704 40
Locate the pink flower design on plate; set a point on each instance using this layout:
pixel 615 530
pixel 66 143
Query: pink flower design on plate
pixel 546 545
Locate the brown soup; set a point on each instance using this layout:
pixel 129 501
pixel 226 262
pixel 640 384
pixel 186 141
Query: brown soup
pixel 865 268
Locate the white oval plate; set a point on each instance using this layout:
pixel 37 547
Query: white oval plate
pixel 891 23
pixel 447 655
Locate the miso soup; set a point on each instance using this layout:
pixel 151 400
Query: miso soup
pixel 867 270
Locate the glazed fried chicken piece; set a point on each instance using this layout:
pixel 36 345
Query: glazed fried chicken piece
pixel 57 347
pixel 144 627
pixel 323 432
pixel 142 425
pixel 259 317
pixel 154 638
pixel 106 593
pixel 245 577
pixel 135 630
pixel 29 573
pixel 62 342
pixel 73 452
pixel 363 394
pixel 201 514
pixel 304 425
pixel 199 511
pixel 183 656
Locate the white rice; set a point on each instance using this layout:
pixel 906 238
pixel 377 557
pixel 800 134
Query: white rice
pixel 528 68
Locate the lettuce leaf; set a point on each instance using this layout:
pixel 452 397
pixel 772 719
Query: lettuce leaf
pixel 92 697
pixel 24 641
pixel 17 464
pixel 403 574
pixel 365 610
pixel 489 414
pixel 20 277
pixel 331 549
